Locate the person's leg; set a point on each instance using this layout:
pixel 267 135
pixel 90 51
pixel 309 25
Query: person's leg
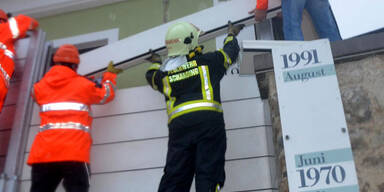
pixel 45 177
pixel 76 176
pixel 179 168
pixel 210 157
pixel 292 18
pixel 323 19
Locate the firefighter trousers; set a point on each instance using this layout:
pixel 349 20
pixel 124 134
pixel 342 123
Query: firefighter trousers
pixel 47 176
pixel 196 148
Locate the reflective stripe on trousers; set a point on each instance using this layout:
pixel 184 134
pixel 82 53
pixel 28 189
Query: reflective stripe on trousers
pixel 65 125
pixel 218 188
pixel 6 77
pixel 7 52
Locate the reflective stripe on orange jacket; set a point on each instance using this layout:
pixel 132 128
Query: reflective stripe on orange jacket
pixel 14 29
pixel 65 99
pixel 262 4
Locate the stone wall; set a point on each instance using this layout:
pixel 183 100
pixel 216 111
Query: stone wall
pixel 362 89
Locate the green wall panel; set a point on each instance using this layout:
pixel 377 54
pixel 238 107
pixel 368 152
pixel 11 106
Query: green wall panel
pixel 181 8
pixel 131 17
pixel 135 76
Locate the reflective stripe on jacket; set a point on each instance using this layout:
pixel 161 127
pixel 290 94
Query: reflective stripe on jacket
pixel 65 114
pixel 64 106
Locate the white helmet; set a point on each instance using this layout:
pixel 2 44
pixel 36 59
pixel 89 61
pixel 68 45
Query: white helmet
pixel 181 38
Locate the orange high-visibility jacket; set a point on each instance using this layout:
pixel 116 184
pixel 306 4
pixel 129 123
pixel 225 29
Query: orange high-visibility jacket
pixel 65 100
pixel 262 4
pixel 14 29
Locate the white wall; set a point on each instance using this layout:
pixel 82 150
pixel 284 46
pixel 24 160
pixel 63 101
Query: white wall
pixel 358 16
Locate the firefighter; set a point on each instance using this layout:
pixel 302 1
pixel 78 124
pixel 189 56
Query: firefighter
pixel 190 82
pixel 11 29
pixel 61 149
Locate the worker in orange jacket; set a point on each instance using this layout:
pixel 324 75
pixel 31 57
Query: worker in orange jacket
pixel 61 149
pixel 11 29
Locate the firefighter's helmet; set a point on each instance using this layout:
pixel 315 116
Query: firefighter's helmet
pixel 3 15
pixel 181 38
pixel 67 54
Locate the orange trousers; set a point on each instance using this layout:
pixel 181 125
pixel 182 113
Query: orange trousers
pixel 8 65
pixel 3 92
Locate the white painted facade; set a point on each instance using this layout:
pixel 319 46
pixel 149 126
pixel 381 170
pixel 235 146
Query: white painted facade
pixel 130 133
pixel 130 140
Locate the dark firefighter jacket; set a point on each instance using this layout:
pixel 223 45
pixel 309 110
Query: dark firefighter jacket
pixel 195 85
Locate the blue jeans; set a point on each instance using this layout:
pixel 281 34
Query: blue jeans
pixel 321 15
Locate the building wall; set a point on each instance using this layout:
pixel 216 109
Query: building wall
pixel 130 140
pixel 130 17
pixel 361 85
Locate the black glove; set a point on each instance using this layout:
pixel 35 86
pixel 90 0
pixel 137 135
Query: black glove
pixel 97 81
pixel 154 58
pixel 197 51
pixel 234 29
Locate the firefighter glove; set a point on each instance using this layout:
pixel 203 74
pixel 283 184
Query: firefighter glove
pixel 113 69
pixel 197 51
pixel 234 29
pixel 154 58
